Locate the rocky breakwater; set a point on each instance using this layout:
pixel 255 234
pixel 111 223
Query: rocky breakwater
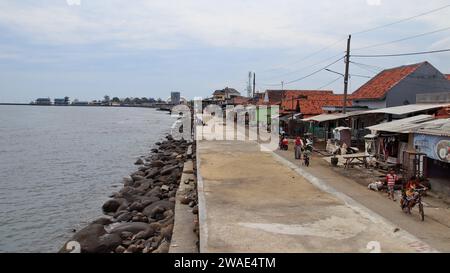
pixel 140 217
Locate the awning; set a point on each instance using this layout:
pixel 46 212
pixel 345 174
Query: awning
pixel 341 128
pixel 328 117
pixel 405 125
pixel 405 109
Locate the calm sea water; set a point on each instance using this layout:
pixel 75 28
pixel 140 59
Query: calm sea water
pixel 59 164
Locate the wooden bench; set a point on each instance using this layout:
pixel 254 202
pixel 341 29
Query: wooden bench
pixel 355 159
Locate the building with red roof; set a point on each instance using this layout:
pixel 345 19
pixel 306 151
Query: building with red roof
pixel 311 104
pixel 274 97
pixel 400 85
pixel 306 102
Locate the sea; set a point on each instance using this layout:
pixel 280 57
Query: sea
pixel 58 165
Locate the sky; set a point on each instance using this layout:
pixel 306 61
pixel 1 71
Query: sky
pixel 86 49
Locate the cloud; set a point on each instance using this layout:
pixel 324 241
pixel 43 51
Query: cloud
pixel 173 24
pixel 73 2
pixel 373 2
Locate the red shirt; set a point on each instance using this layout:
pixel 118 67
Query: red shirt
pixel 391 178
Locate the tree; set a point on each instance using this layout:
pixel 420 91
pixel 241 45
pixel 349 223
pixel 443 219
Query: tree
pixel 151 100
pixel 106 98
pixel 116 99
pixel 137 101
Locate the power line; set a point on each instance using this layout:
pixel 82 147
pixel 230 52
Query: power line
pixel 361 56
pixel 304 77
pixel 360 76
pixel 315 72
pixel 359 32
pixel 402 20
pixel 404 39
pixel 327 84
pixel 366 69
pixel 305 67
pixel 342 75
pixel 271 84
pixel 369 65
pixel 306 57
pixel 401 54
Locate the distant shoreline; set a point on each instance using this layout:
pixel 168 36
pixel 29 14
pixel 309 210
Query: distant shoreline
pixel 167 108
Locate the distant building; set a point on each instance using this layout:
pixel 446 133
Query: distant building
pixel 175 98
pixel 96 103
pixel 64 101
pixel 400 85
pixel 80 103
pixel 43 101
pixel 225 94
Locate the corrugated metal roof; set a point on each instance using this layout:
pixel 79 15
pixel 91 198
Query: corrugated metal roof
pixel 437 127
pixel 327 117
pixel 405 109
pixel 405 125
pixel 396 110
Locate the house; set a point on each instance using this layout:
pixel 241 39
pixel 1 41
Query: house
pixel 274 97
pixel 400 85
pixel 421 144
pixel 322 125
pixel 297 104
pixel 43 101
pixel 80 103
pixel 239 100
pixel 310 102
pixel 61 101
pixel 225 94
pixel 433 140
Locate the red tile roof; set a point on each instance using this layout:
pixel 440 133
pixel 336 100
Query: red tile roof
pixel 240 100
pixel 312 104
pixel 378 86
pixel 275 96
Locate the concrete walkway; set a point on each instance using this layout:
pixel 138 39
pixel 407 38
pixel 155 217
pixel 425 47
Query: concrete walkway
pixel 435 230
pixel 254 201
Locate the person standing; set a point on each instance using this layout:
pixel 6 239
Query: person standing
pixel 391 178
pixel 298 148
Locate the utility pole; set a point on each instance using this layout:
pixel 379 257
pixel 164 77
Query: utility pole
pixel 249 84
pixel 347 64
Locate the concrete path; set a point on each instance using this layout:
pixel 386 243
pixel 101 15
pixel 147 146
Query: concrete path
pixel 253 201
pixel 435 230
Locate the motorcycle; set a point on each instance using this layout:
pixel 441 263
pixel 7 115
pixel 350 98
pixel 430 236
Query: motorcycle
pixel 283 145
pixel 407 204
